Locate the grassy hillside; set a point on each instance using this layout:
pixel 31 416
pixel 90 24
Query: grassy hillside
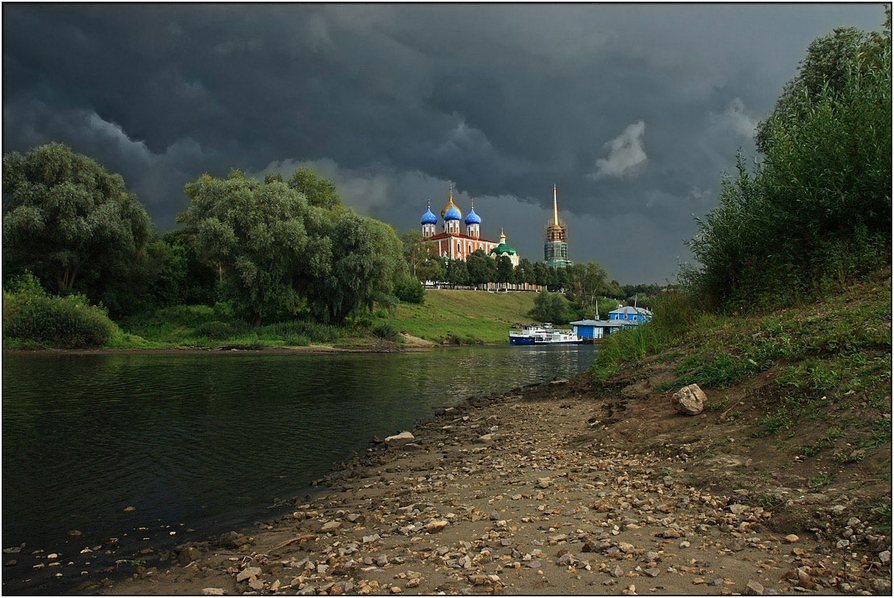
pixel 799 401
pixel 463 316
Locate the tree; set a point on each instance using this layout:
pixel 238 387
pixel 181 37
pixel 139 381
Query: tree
pixel 255 233
pixel 457 272
pixel 543 274
pixel 505 270
pixel 431 269
pixel 816 209
pixel 551 307
pixel 390 266
pixel 482 269
pixel 320 192
pixel 559 278
pixel 360 264
pixel 69 221
pixel 524 272
pixel 587 282
pixel 416 252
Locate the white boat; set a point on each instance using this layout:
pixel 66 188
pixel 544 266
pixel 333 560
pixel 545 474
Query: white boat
pixel 542 335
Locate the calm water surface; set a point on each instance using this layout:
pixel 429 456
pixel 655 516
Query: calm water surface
pixel 189 440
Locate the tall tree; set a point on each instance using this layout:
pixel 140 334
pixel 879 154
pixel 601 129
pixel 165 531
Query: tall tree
pixel 457 272
pixel 320 192
pixel 505 270
pixel 587 282
pixel 69 221
pixel 551 307
pixel 482 269
pixel 416 251
pixel 256 234
pixel 816 209
pixel 525 271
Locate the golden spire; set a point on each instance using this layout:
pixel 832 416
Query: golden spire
pixel 555 206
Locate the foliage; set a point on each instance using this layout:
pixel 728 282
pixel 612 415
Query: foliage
pixel 587 282
pixel 217 331
pixel 32 316
pixel 551 307
pixel 605 305
pixel 457 272
pixel 505 271
pixel 410 290
pixel 627 347
pixel 815 212
pixel 482 269
pixel 385 331
pixel 70 222
pixel 255 234
pixel 362 262
pixel 318 191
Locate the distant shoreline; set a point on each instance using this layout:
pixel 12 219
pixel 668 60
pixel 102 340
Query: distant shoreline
pixel 410 343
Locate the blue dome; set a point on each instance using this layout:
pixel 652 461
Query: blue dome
pixel 429 218
pixel 473 218
pixel 451 212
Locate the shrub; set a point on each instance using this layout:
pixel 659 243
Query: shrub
pixel 410 290
pixel 385 331
pixel 216 330
pixel 32 316
pixel 306 332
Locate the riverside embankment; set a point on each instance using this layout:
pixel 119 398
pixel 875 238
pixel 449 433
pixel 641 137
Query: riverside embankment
pixel 561 489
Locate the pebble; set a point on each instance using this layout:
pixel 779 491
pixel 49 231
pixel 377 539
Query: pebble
pixel 457 515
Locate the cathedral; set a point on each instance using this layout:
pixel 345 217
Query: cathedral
pixel 452 243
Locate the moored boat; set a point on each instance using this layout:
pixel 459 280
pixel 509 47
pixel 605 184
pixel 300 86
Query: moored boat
pixel 542 335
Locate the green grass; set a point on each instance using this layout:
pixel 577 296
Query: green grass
pixel 818 374
pixel 465 317
pixel 462 316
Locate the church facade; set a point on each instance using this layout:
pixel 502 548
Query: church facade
pixel 452 242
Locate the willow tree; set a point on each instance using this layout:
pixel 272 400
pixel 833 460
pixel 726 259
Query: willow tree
pixel 255 234
pixel 70 222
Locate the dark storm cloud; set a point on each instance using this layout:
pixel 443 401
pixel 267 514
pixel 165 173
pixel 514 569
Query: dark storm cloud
pixel 634 110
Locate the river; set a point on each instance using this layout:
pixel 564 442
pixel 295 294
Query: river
pixel 154 445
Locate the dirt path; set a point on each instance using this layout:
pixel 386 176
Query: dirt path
pixel 522 493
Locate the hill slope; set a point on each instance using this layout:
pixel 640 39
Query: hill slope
pixel 798 417
pixel 463 316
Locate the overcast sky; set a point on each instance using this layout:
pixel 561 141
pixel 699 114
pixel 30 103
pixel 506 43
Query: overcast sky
pixel 635 111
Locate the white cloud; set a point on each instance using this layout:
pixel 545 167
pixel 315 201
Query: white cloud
pixel 626 153
pixel 735 118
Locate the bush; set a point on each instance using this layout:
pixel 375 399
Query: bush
pixel 304 332
pixel 32 316
pixel 552 307
pixel 217 331
pixel 385 331
pixel 410 291
pixel 815 212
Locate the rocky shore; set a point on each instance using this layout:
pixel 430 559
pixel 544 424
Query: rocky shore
pixel 547 490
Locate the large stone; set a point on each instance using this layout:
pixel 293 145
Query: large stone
pixel 689 400
pixel 248 573
pixel 400 439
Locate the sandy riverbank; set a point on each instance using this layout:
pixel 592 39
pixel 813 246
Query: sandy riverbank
pixel 541 491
